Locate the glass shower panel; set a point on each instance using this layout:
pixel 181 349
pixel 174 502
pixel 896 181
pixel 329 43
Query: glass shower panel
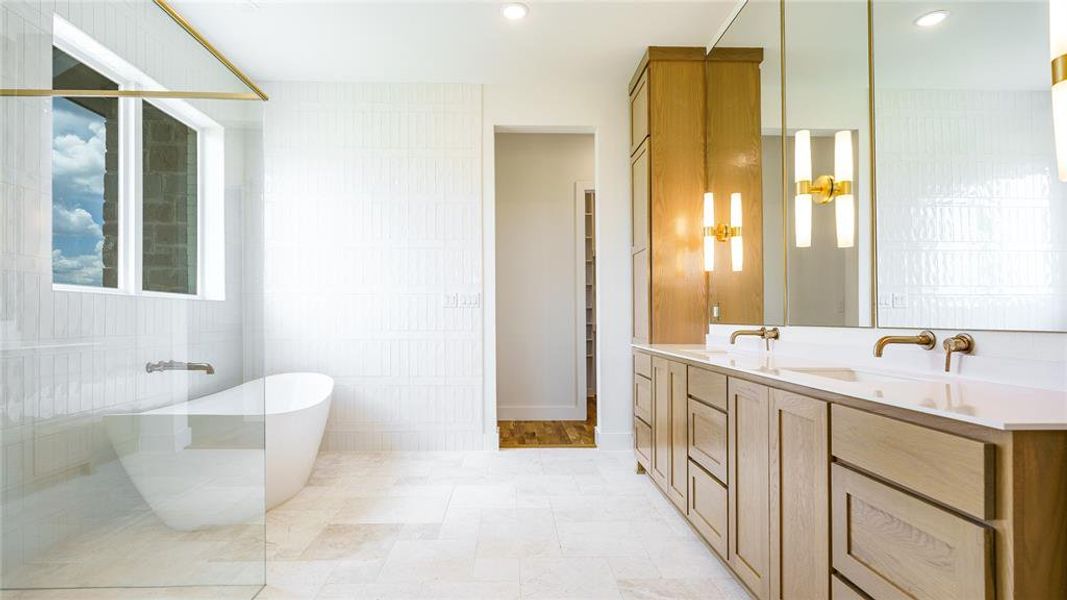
pixel 132 420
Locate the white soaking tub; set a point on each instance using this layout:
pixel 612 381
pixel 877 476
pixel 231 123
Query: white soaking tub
pixel 201 464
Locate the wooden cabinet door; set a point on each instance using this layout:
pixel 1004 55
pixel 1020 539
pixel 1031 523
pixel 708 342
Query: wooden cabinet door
pixel 707 438
pixel 643 444
pixel 639 250
pixel 678 490
pixel 639 113
pixel 749 485
pixel 643 399
pixel 707 508
pixel 800 497
pixel 661 422
pixel 893 545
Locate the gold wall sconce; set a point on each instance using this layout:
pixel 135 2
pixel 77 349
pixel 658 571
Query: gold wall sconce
pixel 824 189
pixel 721 232
pixel 1057 10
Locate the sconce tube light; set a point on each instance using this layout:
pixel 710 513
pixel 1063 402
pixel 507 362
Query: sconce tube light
pixel 802 156
pixel 737 256
pixel 709 236
pixel 1057 10
pixel 802 218
pixel 845 203
pixel 802 175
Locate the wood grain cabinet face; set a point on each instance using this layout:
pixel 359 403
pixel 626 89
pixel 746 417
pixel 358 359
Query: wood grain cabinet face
pixel 640 177
pixel 643 444
pixel 639 113
pixel 708 387
pixel 708 508
pixel 643 399
pixel 800 497
pixel 679 476
pixel 893 545
pixel 950 469
pixel 749 484
pixel 708 438
pixel 661 423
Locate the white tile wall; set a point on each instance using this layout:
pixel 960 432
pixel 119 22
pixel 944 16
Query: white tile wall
pixel 373 215
pixel 970 214
pixel 67 358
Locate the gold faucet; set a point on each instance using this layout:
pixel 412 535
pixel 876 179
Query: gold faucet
pixel 762 332
pixel 962 343
pixel 926 339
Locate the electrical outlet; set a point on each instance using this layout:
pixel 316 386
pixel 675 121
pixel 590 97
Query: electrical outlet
pixel 451 300
pixel 900 301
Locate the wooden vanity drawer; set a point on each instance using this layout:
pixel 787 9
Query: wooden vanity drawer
pixel 708 508
pixel 707 438
pixel 643 365
pixel 643 399
pixel 954 470
pixel 708 387
pixel 643 443
pixel 894 545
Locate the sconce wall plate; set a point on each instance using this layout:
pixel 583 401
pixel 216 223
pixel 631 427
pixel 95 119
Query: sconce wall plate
pixel 824 189
pixel 722 232
pixel 1059 69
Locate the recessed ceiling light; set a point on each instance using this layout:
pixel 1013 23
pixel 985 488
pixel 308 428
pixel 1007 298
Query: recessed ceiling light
pixel 932 19
pixel 513 11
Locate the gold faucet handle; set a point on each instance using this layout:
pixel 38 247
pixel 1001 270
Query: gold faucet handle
pixel 962 343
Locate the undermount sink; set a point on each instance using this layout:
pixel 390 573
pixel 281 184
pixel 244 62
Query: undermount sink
pixel 850 375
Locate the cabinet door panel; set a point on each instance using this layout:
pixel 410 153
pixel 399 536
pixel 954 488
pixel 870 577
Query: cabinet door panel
pixel 640 254
pixel 708 508
pixel 643 443
pixel 639 113
pixel 678 490
pixel 708 438
pixel 661 423
pixel 749 475
pixel 896 546
pixel 643 399
pixel 800 497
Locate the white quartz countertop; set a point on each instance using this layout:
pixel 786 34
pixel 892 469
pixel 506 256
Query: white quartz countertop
pixel 995 405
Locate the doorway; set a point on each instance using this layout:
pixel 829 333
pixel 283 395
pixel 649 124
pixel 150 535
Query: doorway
pixel 545 289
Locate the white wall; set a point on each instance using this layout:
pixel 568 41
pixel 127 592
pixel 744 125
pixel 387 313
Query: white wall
pixel 540 258
pixel 68 358
pixel 599 107
pixel 372 217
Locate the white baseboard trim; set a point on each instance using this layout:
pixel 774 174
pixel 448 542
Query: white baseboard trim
pixel 540 413
pixel 491 442
pixel 614 441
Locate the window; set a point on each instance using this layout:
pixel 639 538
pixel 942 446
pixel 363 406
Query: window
pixel 137 184
pixel 169 203
pixel 85 195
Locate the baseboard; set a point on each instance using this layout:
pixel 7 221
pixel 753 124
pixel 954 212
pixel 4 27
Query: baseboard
pixel 540 413
pixel 614 441
pixel 491 440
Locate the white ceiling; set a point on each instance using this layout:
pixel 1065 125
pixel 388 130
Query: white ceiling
pixel 447 41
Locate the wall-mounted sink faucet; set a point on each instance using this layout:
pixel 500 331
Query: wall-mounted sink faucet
pixel 962 343
pixel 762 332
pixel 926 339
pixel 173 365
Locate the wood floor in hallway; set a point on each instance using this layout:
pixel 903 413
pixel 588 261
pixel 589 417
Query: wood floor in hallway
pixel 551 434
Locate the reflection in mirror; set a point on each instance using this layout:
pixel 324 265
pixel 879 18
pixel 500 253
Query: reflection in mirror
pixel 744 168
pixel 971 215
pixel 827 241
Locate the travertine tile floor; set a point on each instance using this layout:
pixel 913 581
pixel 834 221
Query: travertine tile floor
pixel 531 523
pixel 527 523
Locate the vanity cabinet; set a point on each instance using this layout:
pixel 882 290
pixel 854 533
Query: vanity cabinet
pixel 800 493
pixel 749 484
pixel 667 178
pixel 669 450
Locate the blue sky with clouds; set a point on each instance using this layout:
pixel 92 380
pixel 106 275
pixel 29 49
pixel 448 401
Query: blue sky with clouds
pixel 78 145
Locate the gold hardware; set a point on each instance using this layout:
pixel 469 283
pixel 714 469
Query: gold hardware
pixel 37 93
pixel 255 94
pixel 926 339
pixel 824 189
pixel 1059 69
pixel 762 332
pixel 962 343
pixel 722 232
pixel 188 27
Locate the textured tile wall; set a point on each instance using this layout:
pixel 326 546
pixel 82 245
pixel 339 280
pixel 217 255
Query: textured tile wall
pixel 67 358
pixel 970 213
pixel 373 218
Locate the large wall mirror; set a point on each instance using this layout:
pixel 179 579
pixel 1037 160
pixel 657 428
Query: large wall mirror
pixel 972 219
pixel 950 215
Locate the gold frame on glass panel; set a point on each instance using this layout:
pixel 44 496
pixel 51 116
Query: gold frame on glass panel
pixel 255 94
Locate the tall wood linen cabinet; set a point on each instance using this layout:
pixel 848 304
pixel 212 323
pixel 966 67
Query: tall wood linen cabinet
pixel 667 175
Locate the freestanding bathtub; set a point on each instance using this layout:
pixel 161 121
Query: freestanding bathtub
pixel 220 459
